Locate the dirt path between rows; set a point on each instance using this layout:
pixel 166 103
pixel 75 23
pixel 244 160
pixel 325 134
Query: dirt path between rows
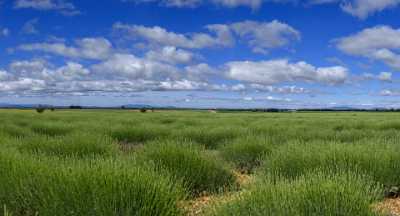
pixel 199 205
pixel 389 206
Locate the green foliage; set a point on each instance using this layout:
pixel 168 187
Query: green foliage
pixel 209 137
pixel 379 160
pixel 139 134
pixel 81 162
pixel 75 145
pixel 33 186
pixel 246 153
pixel 40 109
pixel 199 172
pixel 51 128
pixel 313 194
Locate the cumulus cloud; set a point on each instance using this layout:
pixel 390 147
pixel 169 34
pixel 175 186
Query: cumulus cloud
pixel 22 84
pixel 279 90
pixel 194 3
pixel 200 72
pixel 180 85
pixel 385 76
pixel 42 70
pixel 260 36
pixel 36 69
pixel 172 55
pixel 122 73
pixel 4 75
pixel 363 8
pixel 159 35
pixel 132 67
pixel 377 43
pixel 63 6
pixel 277 99
pixel 359 8
pixel 171 3
pixel 72 71
pixel 236 3
pixel 281 71
pixel 390 92
pixel 88 48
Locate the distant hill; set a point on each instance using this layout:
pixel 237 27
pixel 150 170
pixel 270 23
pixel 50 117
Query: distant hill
pixel 137 106
pixel 342 108
pixel 23 106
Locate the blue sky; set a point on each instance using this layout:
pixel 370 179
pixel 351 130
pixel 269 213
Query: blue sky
pixel 201 53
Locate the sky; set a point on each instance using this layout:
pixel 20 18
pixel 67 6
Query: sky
pixel 201 53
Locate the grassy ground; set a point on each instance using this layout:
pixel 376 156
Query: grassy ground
pixel 193 163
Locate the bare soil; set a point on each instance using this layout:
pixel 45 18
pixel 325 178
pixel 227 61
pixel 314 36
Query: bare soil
pixel 390 207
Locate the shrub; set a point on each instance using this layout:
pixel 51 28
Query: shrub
pixel 139 134
pixel 380 160
pixel 14 131
pixel 199 172
pixel 209 137
pixel 74 145
pixel 246 153
pixel 31 186
pixel 312 194
pixel 40 109
pixel 51 128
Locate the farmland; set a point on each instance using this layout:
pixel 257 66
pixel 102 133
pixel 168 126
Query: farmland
pixel 114 162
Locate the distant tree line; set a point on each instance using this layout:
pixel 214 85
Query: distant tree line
pixel 43 108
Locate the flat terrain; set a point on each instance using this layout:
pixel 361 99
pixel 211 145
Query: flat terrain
pixel 88 162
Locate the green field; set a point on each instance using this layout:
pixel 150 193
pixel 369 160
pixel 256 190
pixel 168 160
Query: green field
pixel 88 162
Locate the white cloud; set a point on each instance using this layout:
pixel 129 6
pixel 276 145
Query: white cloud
pixel 35 69
pixel 171 55
pixel 159 35
pixel 172 3
pixel 331 75
pixel 254 4
pixel 22 84
pixel 200 72
pixel 72 71
pixel 120 73
pixel 277 99
pixel 377 43
pixel 180 85
pixel 236 3
pixel 319 2
pixel 359 8
pixel 63 6
pixel 89 48
pixel 363 8
pixel 262 36
pixel 4 75
pixel 385 76
pixel 194 3
pixel 279 90
pixel 388 92
pixel 30 27
pixel 41 70
pixel 132 67
pixel 280 71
